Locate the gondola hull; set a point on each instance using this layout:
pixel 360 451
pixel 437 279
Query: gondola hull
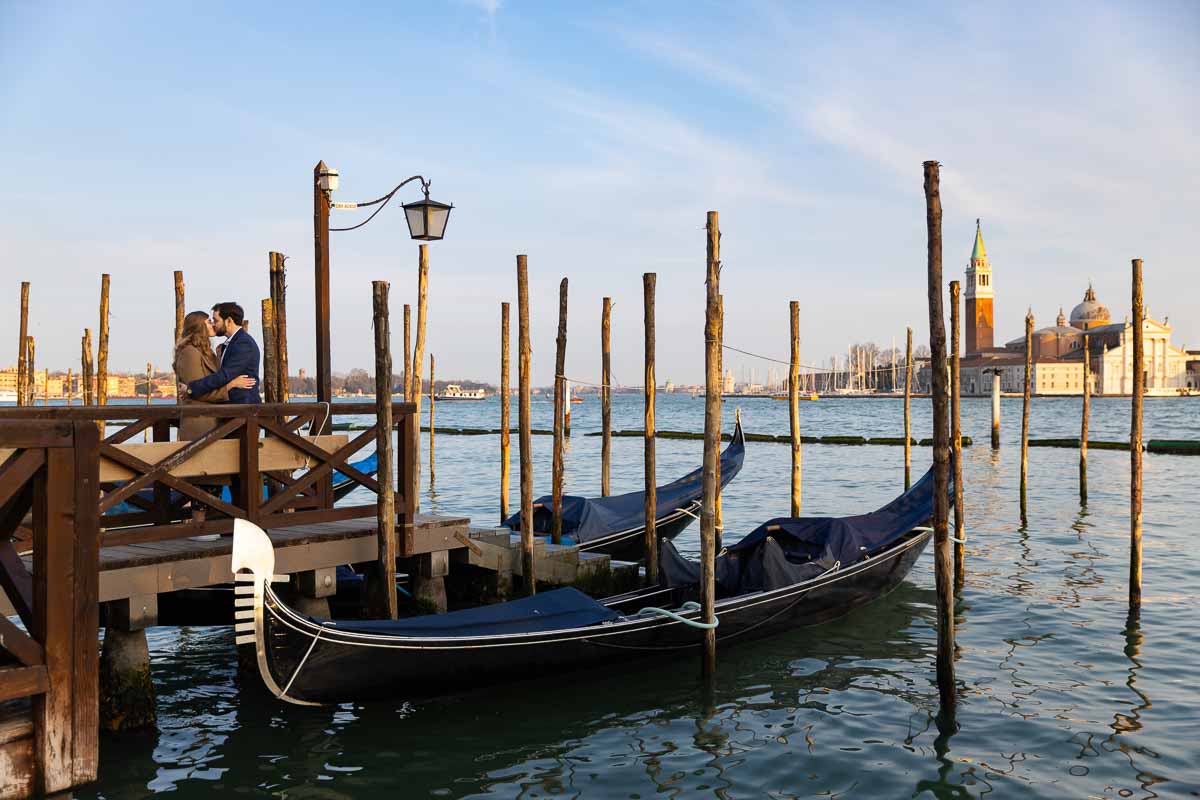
pixel 313 661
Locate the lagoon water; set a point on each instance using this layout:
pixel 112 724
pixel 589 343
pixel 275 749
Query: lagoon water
pixel 1061 694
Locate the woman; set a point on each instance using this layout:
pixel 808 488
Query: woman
pixel 194 358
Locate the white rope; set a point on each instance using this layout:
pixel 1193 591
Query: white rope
pixel 690 605
pixel 302 661
pixel 951 538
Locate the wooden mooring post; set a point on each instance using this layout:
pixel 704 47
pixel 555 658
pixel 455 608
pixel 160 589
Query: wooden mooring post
pixel 31 371
pixel 418 357
pixel 526 438
pixel 908 379
pixel 1025 411
pixel 69 387
pixel 712 440
pixel 278 274
pixel 85 372
pixel 270 377
pixel 1083 424
pixel 605 396
pixel 1135 442
pixel 432 401
pixel 794 405
pixel 956 438
pixel 560 361
pixel 22 348
pixel 995 409
pixel 383 588
pixel 180 305
pixel 504 412
pixel 720 514
pixel 407 353
pixel 102 347
pixel 943 559
pixel 649 281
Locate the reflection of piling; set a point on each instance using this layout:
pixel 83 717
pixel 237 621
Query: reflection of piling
pixel 1135 443
pixel 504 415
pixel 560 385
pixel 102 347
pixel 794 404
pixel 943 561
pixel 384 587
pixel 432 403
pixel 418 357
pixel 85 372
pixel 996 409
pixel 22 347
pixel 908 379
pixel 712 439
pixel 1025 409
pixel 1083 425
pixel 956 437
pixel 526 439
pixel 649 280
pixel 605 396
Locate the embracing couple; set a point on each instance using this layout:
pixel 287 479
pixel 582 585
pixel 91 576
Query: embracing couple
pixel 226 375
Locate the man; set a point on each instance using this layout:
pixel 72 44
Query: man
pixel 239 357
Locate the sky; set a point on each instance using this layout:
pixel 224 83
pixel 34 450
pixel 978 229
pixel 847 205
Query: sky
pixel 143 138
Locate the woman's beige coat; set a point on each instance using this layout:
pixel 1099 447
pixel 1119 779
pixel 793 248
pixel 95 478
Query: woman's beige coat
pixel 192 364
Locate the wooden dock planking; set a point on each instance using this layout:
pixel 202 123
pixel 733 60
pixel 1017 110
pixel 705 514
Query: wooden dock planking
pixel 166 566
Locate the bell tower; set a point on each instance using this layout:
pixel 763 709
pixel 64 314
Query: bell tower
pixel 979 318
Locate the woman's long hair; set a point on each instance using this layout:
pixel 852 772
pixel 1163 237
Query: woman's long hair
pixel 195 334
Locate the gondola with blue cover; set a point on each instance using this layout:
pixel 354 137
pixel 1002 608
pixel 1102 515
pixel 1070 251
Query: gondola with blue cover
pixel 617 524
pixel 787 573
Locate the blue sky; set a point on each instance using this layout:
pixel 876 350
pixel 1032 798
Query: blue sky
pixel 143 138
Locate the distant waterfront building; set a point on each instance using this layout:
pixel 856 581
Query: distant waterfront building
pixel 730 383
pixel 1058 353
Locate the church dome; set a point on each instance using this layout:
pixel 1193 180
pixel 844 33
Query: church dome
pixel 1090 313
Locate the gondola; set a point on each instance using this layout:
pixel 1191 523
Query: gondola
pixel 787 573
pixel 342 486
pixel 616 525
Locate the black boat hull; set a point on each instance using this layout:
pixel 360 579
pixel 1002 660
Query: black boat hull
pixel 310 661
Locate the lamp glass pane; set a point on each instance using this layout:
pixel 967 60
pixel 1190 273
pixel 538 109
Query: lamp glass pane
pixel 437 221
pixel 416 221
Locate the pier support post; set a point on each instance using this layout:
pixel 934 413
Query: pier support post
pixel 794 405
pixel 1135 442
pixel 649 281
pixel 712 440
pixel 505 422
pixel 127 698
pixel 312 589
pixel 996 408
pixel 560 385
pixel 1083 425
pixel 383 583
pixel 956 438
pixel 526 437
pixel 943 560
pixel 428 572
pixel 22 351
pixel 605 396
pixel 1025 410
pixel 908 379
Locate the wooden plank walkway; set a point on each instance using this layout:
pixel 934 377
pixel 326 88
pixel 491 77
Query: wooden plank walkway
pixel 166 566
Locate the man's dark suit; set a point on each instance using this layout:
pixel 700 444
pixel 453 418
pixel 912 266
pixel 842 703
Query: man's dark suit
pixel 240 358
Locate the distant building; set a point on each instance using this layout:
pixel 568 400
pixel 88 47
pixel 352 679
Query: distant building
pixel 1058 350
pixel 730 383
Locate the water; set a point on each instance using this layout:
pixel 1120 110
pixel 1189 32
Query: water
pixel 1061 695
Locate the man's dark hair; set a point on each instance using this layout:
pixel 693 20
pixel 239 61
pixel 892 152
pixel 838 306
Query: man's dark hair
pixel 230 311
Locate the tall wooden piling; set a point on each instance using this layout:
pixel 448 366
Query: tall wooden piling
pixel 794 404
pixel 908 379
pixel 418 357
pixel 180 305
pixel 278 274
pixel 1083 425
pixel 956 437
pixel 102 348
pixel 85 371
pixel 22 348
pixel 712 439
pixel 46 387
pixel 149 391
pixel 504 415
pixel 68 387
pixel 720 514
pixel 996 408
pixel 407 354
pixel 432 402
pixel 605 396
pixel 31 371
pixel 270 381
pixel 943 560
pixel 649 281
pixel 384 587
pixel 1135 442
pixel 1025 410
pixel 560 385
pixel 526 437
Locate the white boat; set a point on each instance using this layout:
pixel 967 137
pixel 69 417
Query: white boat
pixel 455 392
pixel 8 396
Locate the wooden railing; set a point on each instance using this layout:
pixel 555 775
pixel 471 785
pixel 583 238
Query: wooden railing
pixel 277 476
pixel 48 490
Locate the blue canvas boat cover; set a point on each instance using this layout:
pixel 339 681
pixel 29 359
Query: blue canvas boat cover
pixel 546 611
pixel 588 518
pixel 787 550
